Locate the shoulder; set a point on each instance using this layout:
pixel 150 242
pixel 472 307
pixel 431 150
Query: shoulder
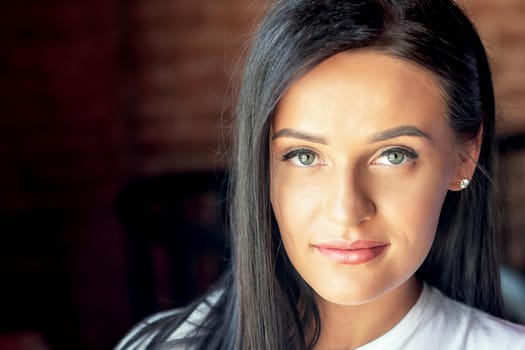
pixel 465 327
pixel 180 323
pixel 142 334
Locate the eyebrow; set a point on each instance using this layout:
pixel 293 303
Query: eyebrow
pixel 296 134
pixel 404 130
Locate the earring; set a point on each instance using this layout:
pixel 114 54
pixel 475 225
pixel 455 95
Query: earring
pixel 463 183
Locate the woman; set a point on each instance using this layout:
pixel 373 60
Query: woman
pixel 361 193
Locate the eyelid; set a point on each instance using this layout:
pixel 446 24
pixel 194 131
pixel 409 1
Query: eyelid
pixel 288 153
pixel 410 152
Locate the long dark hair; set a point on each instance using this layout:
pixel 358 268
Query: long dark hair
pixel 264 303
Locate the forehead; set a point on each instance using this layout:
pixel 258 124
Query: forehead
pixel 362 89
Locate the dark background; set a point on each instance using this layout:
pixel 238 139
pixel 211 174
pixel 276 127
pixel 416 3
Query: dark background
pixel 113 124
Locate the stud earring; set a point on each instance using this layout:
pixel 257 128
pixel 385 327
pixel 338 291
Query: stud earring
pixel 463 183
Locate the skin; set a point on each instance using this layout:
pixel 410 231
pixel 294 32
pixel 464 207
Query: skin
pixel 353 178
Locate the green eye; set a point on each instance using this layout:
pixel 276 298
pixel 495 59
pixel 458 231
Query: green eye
pixel 302 157
pixel 306 158
pixel 396 157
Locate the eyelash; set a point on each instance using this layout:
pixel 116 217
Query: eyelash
pixel 294 153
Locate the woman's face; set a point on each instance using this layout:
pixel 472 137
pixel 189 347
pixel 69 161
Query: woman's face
pixel 361 159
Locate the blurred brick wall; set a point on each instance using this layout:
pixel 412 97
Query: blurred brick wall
pixel 95 92
pixel 502 29
pixel 514 238
pixel 186 52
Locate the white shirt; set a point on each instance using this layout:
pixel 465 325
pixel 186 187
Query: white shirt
pixel 438 322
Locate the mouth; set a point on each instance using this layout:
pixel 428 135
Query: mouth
pixel 351 253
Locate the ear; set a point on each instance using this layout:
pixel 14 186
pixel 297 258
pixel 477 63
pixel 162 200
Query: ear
pixel 467 161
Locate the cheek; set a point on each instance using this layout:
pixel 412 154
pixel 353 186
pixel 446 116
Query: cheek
pixel 297 204
pixel 413 207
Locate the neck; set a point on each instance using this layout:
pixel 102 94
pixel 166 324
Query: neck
pixel 348 327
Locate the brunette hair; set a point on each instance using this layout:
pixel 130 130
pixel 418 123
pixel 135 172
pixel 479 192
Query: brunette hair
pixel 264 303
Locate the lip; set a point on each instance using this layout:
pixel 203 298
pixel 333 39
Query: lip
pixel 351 252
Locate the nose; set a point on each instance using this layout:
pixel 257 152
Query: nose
pixel 347 202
